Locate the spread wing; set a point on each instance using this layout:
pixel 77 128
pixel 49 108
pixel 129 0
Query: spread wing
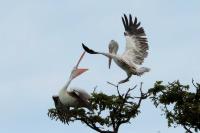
pixel 136 41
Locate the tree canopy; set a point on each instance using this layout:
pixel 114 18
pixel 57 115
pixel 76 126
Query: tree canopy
pixel 179 103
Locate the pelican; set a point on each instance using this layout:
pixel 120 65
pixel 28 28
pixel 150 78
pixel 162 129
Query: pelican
pixel 135 52
pixel 75 97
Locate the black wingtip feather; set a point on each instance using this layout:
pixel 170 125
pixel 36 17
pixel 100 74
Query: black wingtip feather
pixel 124 23
pixel 126 19
pixel 132 25
pixel 90 51
pixel 138 24
pixel 135 21
pixel 130 20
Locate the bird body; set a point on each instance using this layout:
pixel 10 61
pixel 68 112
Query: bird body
pixel 128 67
pixel 74 97
pixel 67 98
pixel 135 51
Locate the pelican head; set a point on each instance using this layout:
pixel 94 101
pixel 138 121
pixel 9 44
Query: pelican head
pixel 113 48
pixel 76 71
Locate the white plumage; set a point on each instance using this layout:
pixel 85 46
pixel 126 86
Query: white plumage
pixel 74 97
pixel 135 50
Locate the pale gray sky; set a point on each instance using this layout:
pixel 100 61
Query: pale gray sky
pixel 40 41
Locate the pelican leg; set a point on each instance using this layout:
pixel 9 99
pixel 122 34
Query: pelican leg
pixel 125 80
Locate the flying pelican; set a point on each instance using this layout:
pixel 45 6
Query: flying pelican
pixel 75 97
pixel 135 51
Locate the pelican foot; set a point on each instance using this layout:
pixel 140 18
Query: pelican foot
pixel 123 81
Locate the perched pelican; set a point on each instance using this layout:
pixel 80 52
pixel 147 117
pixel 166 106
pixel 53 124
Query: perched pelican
pixel 74 97
pixel 135 51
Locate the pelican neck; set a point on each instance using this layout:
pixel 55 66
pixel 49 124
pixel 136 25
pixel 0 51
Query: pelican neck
pixel 67 84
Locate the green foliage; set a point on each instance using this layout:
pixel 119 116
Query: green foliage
pixel 109 111
pixel 180 106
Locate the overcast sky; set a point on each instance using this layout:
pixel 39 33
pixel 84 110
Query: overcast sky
pixel 40 41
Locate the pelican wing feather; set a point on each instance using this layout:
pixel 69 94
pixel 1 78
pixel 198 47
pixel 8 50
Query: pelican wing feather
pixel 136 41
pixel 83 95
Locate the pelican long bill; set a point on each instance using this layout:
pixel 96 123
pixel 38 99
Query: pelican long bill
pixel 79 71
pixel 109 62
